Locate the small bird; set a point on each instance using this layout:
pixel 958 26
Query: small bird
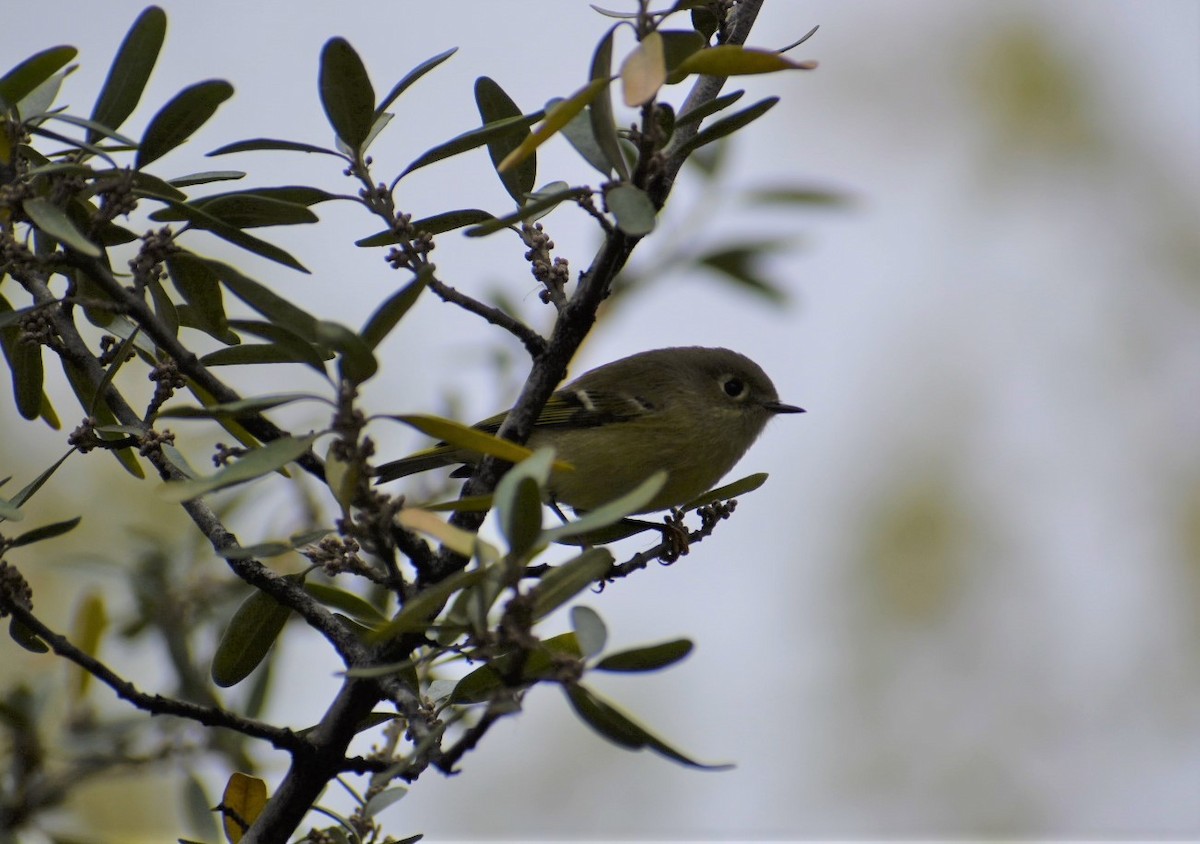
pixel 690 411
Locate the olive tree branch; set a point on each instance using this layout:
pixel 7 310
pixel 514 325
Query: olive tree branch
pixel 413 254
pixel 210 716
pixel 136 309
pixel 534 343
pixel 76 353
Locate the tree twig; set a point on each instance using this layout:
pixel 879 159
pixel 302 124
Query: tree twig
pixel 210 716
pixel 534 343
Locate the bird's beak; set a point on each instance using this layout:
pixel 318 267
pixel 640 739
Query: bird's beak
pixel 780 407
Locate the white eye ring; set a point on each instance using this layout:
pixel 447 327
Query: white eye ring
pixel 733 386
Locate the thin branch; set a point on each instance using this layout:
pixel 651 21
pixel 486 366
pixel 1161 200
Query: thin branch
pixel 137 309
pixel 669 551
pixel 210 716
pixel 534 343
pixel 75 350
pixel 445 762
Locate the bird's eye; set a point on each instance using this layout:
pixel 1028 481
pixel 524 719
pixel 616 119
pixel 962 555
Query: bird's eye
pixel 734 387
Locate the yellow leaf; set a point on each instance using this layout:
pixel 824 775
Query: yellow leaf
pixel 243 801
pixel 87 628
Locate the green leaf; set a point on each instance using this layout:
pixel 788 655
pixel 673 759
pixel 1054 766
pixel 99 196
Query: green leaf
pixel 535 208
pixel 164 308
pixel 273 145
pixel 732 490
pixel 26 638
pixel 35 107
pixel 147 185
pixel 471 606
pixel 268 303
pixel 600 113
pixel 9 512
pixel 411 77
pixel 562 583
pixel 470 504
pixel 44 532
pixel 347 602
pixel 589 630
pixel 53 221
pixel 130 70
pixel 27 373
pixel 632 208
pixel 251 466
pixel 463 436
pixel 705 20
pixel 725 126
pixel 201 219
pixel 436 224
pixel 207 177
pixel 389 314
pixel 494 105
pixel 248 638
pixel 250 354
pixel 232 426
pixel 735 60
pixel 418 613
pixel 27 492
pixel 346 92
pixel 24 360
pixel 739 263
pixel 119 358
pixel 84 392
pixel 472 139
pixel 556 119
pixel 540 663
pixel 355 359
pixel 200 287
pixel 612 512
pixel 678 44
pixel 620 729
pixel 518 501
pixel 243 210
pixel 650 658
pixel 298 348
pixel 239 408
pixel 805 196
pixel 377 127
pixel 579 135
pixel 694 115
pixel 29 74
pixel 179 119
pixel 94 127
